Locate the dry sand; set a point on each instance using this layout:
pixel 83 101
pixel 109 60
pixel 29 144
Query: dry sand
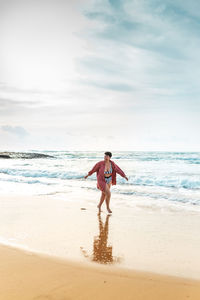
pixel 25 275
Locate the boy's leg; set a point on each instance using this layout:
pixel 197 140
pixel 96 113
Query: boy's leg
pixel 103 196
pixel 108 195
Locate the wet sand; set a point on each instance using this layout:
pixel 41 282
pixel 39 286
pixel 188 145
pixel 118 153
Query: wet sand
pixel 25 275
pixel 69 251
pixel 140 238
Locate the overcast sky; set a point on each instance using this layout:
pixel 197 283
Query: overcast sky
pixel 100 75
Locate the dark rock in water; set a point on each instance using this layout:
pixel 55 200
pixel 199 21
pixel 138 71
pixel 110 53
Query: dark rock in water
pixel 35 155
pixel 4 156
pixel 24 155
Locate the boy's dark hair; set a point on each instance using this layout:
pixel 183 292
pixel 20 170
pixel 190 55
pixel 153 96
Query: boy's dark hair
pixel 108 153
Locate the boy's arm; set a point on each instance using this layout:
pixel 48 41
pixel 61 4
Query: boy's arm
pixel 94 169
pixel 119 171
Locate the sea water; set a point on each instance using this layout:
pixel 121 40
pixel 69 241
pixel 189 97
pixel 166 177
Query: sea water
pixel 155 221
pixel 154 178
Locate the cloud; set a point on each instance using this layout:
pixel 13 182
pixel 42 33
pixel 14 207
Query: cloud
pixel 95 68
pixel 27 97
pixel 115 86
pixel 16 130
pixel 146 46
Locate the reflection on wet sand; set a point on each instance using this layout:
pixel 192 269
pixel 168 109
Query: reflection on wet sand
pixel 102 252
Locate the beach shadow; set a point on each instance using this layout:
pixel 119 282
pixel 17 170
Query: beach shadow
pixel 102 251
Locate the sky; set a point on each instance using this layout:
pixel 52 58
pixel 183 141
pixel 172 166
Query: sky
pixel 100 75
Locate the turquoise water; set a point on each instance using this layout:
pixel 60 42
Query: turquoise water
pixel 167 176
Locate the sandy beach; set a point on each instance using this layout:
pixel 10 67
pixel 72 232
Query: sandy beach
pixel 99 150
pixel 26 275
pixel 144 238
pixel 57 249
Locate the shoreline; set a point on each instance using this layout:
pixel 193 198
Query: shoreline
pixel 163 242
pixel 113 269
pixel 40 276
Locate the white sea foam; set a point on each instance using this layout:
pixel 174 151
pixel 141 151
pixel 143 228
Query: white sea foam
pixel 171 176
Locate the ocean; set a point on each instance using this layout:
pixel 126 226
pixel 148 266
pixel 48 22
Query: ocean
pixel 164 179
